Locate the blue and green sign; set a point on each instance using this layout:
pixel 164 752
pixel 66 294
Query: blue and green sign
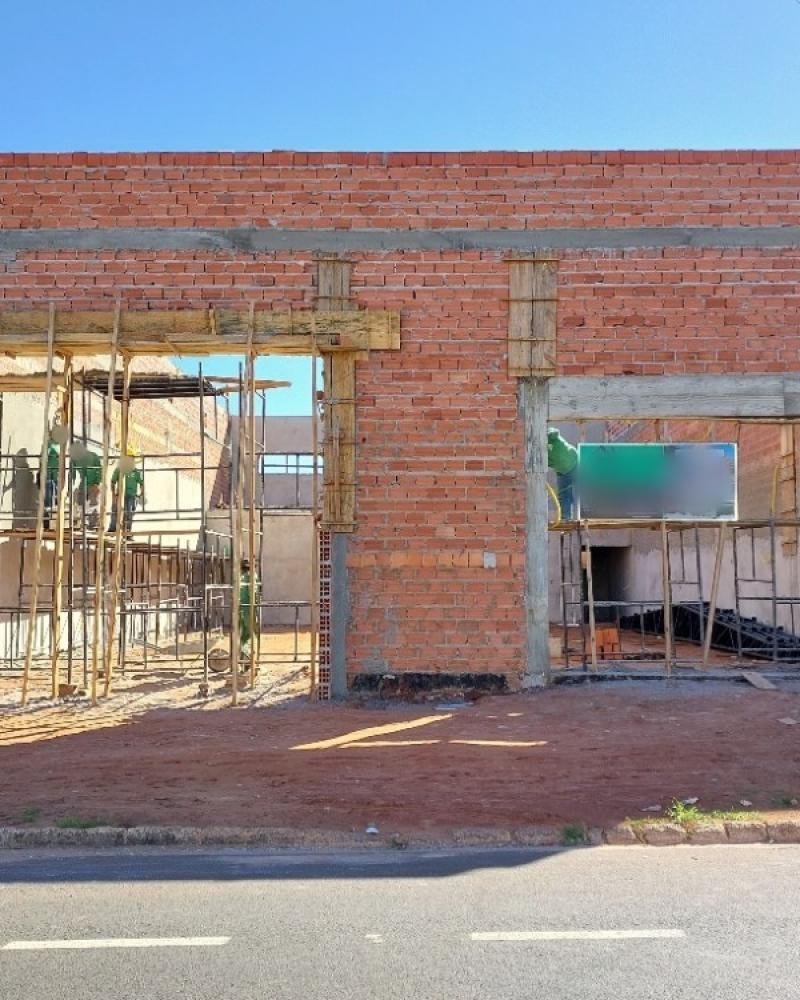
pixel 674 481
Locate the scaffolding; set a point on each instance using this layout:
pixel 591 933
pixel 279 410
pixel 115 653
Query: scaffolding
pixel 100 591
pixel 758 629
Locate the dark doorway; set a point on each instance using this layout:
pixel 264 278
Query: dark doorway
pixel 609 578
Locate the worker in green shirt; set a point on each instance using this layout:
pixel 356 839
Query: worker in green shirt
pixel 249 584
pixel 133 490
pixel 50 481
pixel 562 458
pixel 86 466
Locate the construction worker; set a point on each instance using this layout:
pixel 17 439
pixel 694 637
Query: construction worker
pixel 133 489
pixel 562 458
pixel 50 481
pixel 86 466
pixel 249 589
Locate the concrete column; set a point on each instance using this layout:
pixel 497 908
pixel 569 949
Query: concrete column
pixel 533 397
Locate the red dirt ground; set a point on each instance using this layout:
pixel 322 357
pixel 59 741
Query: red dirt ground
pixel 601 753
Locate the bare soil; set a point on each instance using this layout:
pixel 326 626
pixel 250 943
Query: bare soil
pixel 595 754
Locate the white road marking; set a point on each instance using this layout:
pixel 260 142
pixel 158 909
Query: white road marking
pixel 86 943
pixel 575 935
pixel 375 938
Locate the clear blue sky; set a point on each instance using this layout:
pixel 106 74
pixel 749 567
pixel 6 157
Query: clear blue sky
pixel 405 74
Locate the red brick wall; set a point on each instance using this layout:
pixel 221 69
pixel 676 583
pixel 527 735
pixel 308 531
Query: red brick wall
pixel 404 190
pixel 439 454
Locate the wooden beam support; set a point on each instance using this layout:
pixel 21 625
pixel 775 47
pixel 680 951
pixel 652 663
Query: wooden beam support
pixel 675 397
pixel 200 332
pixel 533 295
pixel 339 439
pixel 35 382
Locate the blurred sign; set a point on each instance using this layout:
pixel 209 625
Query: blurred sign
pixel 674 481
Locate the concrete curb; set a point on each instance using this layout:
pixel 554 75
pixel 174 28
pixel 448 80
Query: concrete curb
pixel 772 830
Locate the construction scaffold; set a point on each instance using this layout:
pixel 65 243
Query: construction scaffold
pixel 100 588
pixel 687 610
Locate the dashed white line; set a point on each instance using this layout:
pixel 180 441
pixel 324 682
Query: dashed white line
pixel 86 943
pixel 609 935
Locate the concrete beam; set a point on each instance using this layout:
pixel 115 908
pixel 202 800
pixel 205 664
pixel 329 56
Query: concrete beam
pixel 249 239
pixel 639 397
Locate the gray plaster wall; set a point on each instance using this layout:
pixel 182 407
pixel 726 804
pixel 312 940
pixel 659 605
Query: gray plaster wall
pixel 286 568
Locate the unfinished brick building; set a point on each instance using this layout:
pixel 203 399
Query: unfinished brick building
pixel 664 264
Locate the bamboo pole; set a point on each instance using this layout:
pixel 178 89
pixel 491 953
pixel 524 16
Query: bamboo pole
pixel 119 521
pixel 251 511
pixel 236 548
pixel 65 420
pixel 204 617
pixel 99 570
pixel 665 571
pixel 34 600
pixel 712 604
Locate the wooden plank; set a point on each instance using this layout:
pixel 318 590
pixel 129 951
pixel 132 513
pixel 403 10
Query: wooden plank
pixel 339 442
pixel 339 467
pixel 65 420
pixel 333 284
pixel 638 397
pixel 758 681
pixel 34 599
pixel 193 331
pixel 533 293
pixel 35 382
pixel 520 315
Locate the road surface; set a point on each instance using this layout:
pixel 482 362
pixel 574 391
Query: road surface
pixel 706 922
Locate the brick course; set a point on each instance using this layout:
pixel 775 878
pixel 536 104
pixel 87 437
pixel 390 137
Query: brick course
pixel 439 440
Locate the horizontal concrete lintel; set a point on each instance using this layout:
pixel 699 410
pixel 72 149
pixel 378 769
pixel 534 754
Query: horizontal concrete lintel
pixel 639 397
pixel 250 239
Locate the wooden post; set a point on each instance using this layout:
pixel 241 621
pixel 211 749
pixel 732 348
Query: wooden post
pixel 251 513
pixel 99 566
pixel 120 528
pixel 65 420
pixel 665 570
pixel 533 401
pixel 712 604
pixel 236 532
pixel 590 595
pixel 34 600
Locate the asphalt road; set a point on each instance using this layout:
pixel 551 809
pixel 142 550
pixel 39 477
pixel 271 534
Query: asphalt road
pixel 717 922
